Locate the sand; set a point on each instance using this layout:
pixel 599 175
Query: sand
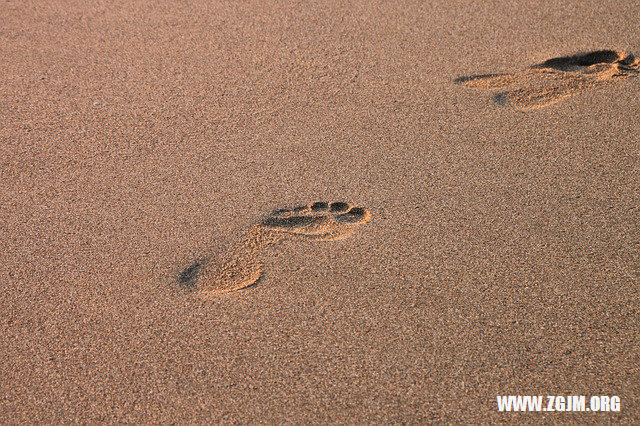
pixel 154 268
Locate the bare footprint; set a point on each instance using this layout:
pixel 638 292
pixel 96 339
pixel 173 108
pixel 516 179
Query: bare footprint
pixel 242 266
pixel 556 79
pixel 321 220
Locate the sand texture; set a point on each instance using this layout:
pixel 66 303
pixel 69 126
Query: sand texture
pixel 317 212
pixel 557 78
pixel 242 265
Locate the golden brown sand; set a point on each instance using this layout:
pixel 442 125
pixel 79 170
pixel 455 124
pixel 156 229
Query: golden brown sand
pixel 557 78
pixel 242 265
pixel 494 248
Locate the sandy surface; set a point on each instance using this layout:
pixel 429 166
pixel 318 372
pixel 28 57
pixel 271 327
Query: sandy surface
pixel 136 139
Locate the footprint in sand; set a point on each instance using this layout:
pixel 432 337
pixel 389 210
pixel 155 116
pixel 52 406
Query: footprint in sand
pixel 556 79
pixel 242 265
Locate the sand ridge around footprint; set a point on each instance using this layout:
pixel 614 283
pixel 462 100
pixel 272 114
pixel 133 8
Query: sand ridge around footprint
pixel 555 79
pixel 242 265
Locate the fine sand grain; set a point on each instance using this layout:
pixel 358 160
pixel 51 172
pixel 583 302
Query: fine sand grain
pixel 557 78
pixel 242 266
pixel 466 176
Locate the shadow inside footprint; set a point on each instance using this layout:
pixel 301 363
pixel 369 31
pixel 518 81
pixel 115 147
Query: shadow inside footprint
pixel 568 63
pixel 339 206
pixel 319 206
pixel 289 222
pixel 355 215
pixel 187 277
pixel 501 98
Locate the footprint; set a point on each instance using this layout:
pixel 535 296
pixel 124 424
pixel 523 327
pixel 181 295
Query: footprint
pixel 321 220
pixel 242 265
pixel 556 79
pixel 581 61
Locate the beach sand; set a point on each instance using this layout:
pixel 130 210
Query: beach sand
pixel 494 249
